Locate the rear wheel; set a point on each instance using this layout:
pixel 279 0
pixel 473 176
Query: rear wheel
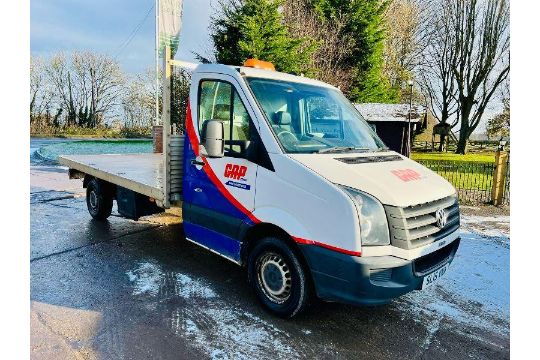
pixel 278 278
pixel 98 201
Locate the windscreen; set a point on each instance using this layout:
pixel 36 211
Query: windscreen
pixel 310 119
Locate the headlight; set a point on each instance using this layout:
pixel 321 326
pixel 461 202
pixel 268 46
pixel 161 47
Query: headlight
pixel 373 223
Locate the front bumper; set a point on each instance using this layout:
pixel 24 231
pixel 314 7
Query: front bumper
pixel 370 280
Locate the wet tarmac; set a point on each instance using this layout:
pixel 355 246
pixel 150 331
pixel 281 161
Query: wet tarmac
pixel 138 290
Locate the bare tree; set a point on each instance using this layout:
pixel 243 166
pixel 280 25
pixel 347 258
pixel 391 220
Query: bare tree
pixel 436 69
pixel 138 101
pixel 99 87
pixel 40 93
pixel 404 40
pixel 333 47
pixel 36 83
pixel 88 86
pixel 465 61
pixel 481 47
pixel 59 74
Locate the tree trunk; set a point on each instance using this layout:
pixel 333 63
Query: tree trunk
pixel 441 144
pixel 461 145
pixel 462 141
pixel 464 129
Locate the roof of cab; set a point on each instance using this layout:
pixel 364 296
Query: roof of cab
pixel 259 73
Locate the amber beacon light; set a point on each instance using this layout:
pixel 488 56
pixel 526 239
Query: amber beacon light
pixel 259 64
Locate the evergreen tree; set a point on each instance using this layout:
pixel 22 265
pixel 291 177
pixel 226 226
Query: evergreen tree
pixel 365 24
pixel 255 29
pixel 225 33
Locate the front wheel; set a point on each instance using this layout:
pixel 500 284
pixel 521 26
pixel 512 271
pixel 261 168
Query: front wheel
pixel 98 201
pixel 278 278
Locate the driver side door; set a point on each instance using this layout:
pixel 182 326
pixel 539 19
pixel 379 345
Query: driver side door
pixel 219 193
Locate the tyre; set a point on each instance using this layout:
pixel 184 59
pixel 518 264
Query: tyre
pixel 278 278
pixel 98 201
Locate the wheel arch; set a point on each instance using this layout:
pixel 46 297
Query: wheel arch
pixel 262 230
pixel 109 188
pixel 86 180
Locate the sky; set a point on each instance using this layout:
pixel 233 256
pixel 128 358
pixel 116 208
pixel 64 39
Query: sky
pixel 104 25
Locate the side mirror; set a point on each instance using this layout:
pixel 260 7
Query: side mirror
pixel 213 134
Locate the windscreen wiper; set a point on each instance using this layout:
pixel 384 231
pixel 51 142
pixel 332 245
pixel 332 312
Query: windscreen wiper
pixel 336 149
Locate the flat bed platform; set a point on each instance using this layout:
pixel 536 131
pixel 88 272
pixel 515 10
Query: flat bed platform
pixel 142 173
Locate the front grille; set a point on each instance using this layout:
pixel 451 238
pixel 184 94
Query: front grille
pixel 430 262
pixel 414 226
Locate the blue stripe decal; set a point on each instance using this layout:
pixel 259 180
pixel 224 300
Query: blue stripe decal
pixel 216 241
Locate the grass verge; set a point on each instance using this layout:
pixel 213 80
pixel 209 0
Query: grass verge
pixel 101 132
pixel 487 157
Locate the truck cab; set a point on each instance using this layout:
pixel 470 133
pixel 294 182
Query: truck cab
pixel 283 176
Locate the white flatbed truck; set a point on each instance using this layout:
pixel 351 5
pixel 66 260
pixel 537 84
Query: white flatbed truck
pixel 141 173
pixel 280 174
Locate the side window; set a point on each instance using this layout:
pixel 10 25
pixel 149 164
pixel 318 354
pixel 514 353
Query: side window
pixel 219 101
pixel 240 126
pixel 214 102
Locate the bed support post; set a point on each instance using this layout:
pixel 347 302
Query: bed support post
pixel 166 122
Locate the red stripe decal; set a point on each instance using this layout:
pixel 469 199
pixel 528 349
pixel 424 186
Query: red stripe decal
pixel 193 139
pixel 210 173
pixel 215 180
pixel 192 136
pixel 326 246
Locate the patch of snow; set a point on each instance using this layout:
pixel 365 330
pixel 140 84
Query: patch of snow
pixel 475 219
pixel 146 278
pixel 476 289
pixel 242 337
pixel 376 112
pixel 218 355
pixel 490 226
pixel 475 292
pixel 189 288
pixel 215 326
pixel 489 232
pixel 483 275
pixel 149 278
pixel 191 327
pixel 432 329
pixel 132 277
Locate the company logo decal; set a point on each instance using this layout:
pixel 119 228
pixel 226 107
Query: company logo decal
pixel 407 174
pixel 238 185
pixel 441 217
pixel 234 171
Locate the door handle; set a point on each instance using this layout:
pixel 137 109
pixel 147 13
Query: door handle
pixel 197 162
